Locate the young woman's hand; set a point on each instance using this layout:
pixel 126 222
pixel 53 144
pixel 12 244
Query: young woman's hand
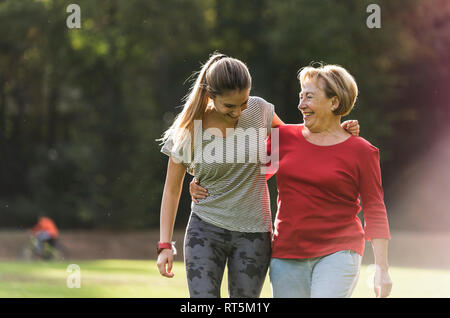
pixel 352 127
pixel 197 191
pixel 165 263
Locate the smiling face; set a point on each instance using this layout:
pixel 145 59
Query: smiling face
pixel 230 105
pixel 316 107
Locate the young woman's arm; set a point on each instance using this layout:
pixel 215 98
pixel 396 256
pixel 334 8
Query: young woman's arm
pixel 169 206
pixel 276 121
pixel 351 126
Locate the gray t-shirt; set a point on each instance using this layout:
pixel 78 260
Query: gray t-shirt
pixel 230 169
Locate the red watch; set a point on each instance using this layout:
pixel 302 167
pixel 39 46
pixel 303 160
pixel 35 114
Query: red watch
pixel 165 245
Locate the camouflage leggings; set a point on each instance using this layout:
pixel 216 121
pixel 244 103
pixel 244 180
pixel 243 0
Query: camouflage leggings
pixel 207 248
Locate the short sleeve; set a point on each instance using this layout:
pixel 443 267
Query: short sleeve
pixel 178 155
pixel 268 110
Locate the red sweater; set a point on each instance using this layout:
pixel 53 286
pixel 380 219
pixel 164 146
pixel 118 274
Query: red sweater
pixel 318 196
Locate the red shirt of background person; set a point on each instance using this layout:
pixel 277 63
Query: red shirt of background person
pixel 46 224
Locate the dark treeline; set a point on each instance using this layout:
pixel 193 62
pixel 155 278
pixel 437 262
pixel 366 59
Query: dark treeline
pixel 80 109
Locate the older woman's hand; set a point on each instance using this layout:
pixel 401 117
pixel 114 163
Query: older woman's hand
pixel 382 282
pixel 351 126
pixel 197 191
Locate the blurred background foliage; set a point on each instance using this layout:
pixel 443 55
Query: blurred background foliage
pixel 80 109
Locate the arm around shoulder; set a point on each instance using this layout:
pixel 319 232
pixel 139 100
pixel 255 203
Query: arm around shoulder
pixel 276 121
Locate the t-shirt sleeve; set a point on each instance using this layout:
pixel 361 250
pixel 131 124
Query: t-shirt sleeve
pixel 371 191
pixel 268 110
pixel 178 156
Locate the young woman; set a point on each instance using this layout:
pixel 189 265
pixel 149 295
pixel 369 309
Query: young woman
pixel 232 225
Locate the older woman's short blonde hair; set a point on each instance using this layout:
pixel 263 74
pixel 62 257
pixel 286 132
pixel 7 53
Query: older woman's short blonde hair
pixel 335 81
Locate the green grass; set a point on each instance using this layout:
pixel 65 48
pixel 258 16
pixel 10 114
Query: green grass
pixel 131 278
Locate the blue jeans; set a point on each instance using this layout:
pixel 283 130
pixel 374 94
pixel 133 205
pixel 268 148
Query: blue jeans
pixel 330 276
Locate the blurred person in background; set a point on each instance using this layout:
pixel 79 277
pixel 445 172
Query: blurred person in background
pixel 45 231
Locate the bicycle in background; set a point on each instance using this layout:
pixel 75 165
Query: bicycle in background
pixel 43 242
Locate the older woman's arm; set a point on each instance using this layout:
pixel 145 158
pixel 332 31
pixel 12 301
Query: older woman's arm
pixel 375 217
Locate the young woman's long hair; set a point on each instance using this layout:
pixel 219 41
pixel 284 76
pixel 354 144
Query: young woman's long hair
pixel 219 75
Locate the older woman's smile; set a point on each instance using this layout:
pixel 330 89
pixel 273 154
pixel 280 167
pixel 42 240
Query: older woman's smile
pixel 307 114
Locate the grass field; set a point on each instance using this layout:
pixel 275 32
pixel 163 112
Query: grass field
pixel 131 278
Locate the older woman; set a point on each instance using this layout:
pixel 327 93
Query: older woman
pixel 318 240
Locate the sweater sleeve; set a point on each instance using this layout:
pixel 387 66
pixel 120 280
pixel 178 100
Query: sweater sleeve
pixel 376 223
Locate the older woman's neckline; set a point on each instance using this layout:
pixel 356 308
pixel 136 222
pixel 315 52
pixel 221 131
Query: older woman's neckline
pixel 300 131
